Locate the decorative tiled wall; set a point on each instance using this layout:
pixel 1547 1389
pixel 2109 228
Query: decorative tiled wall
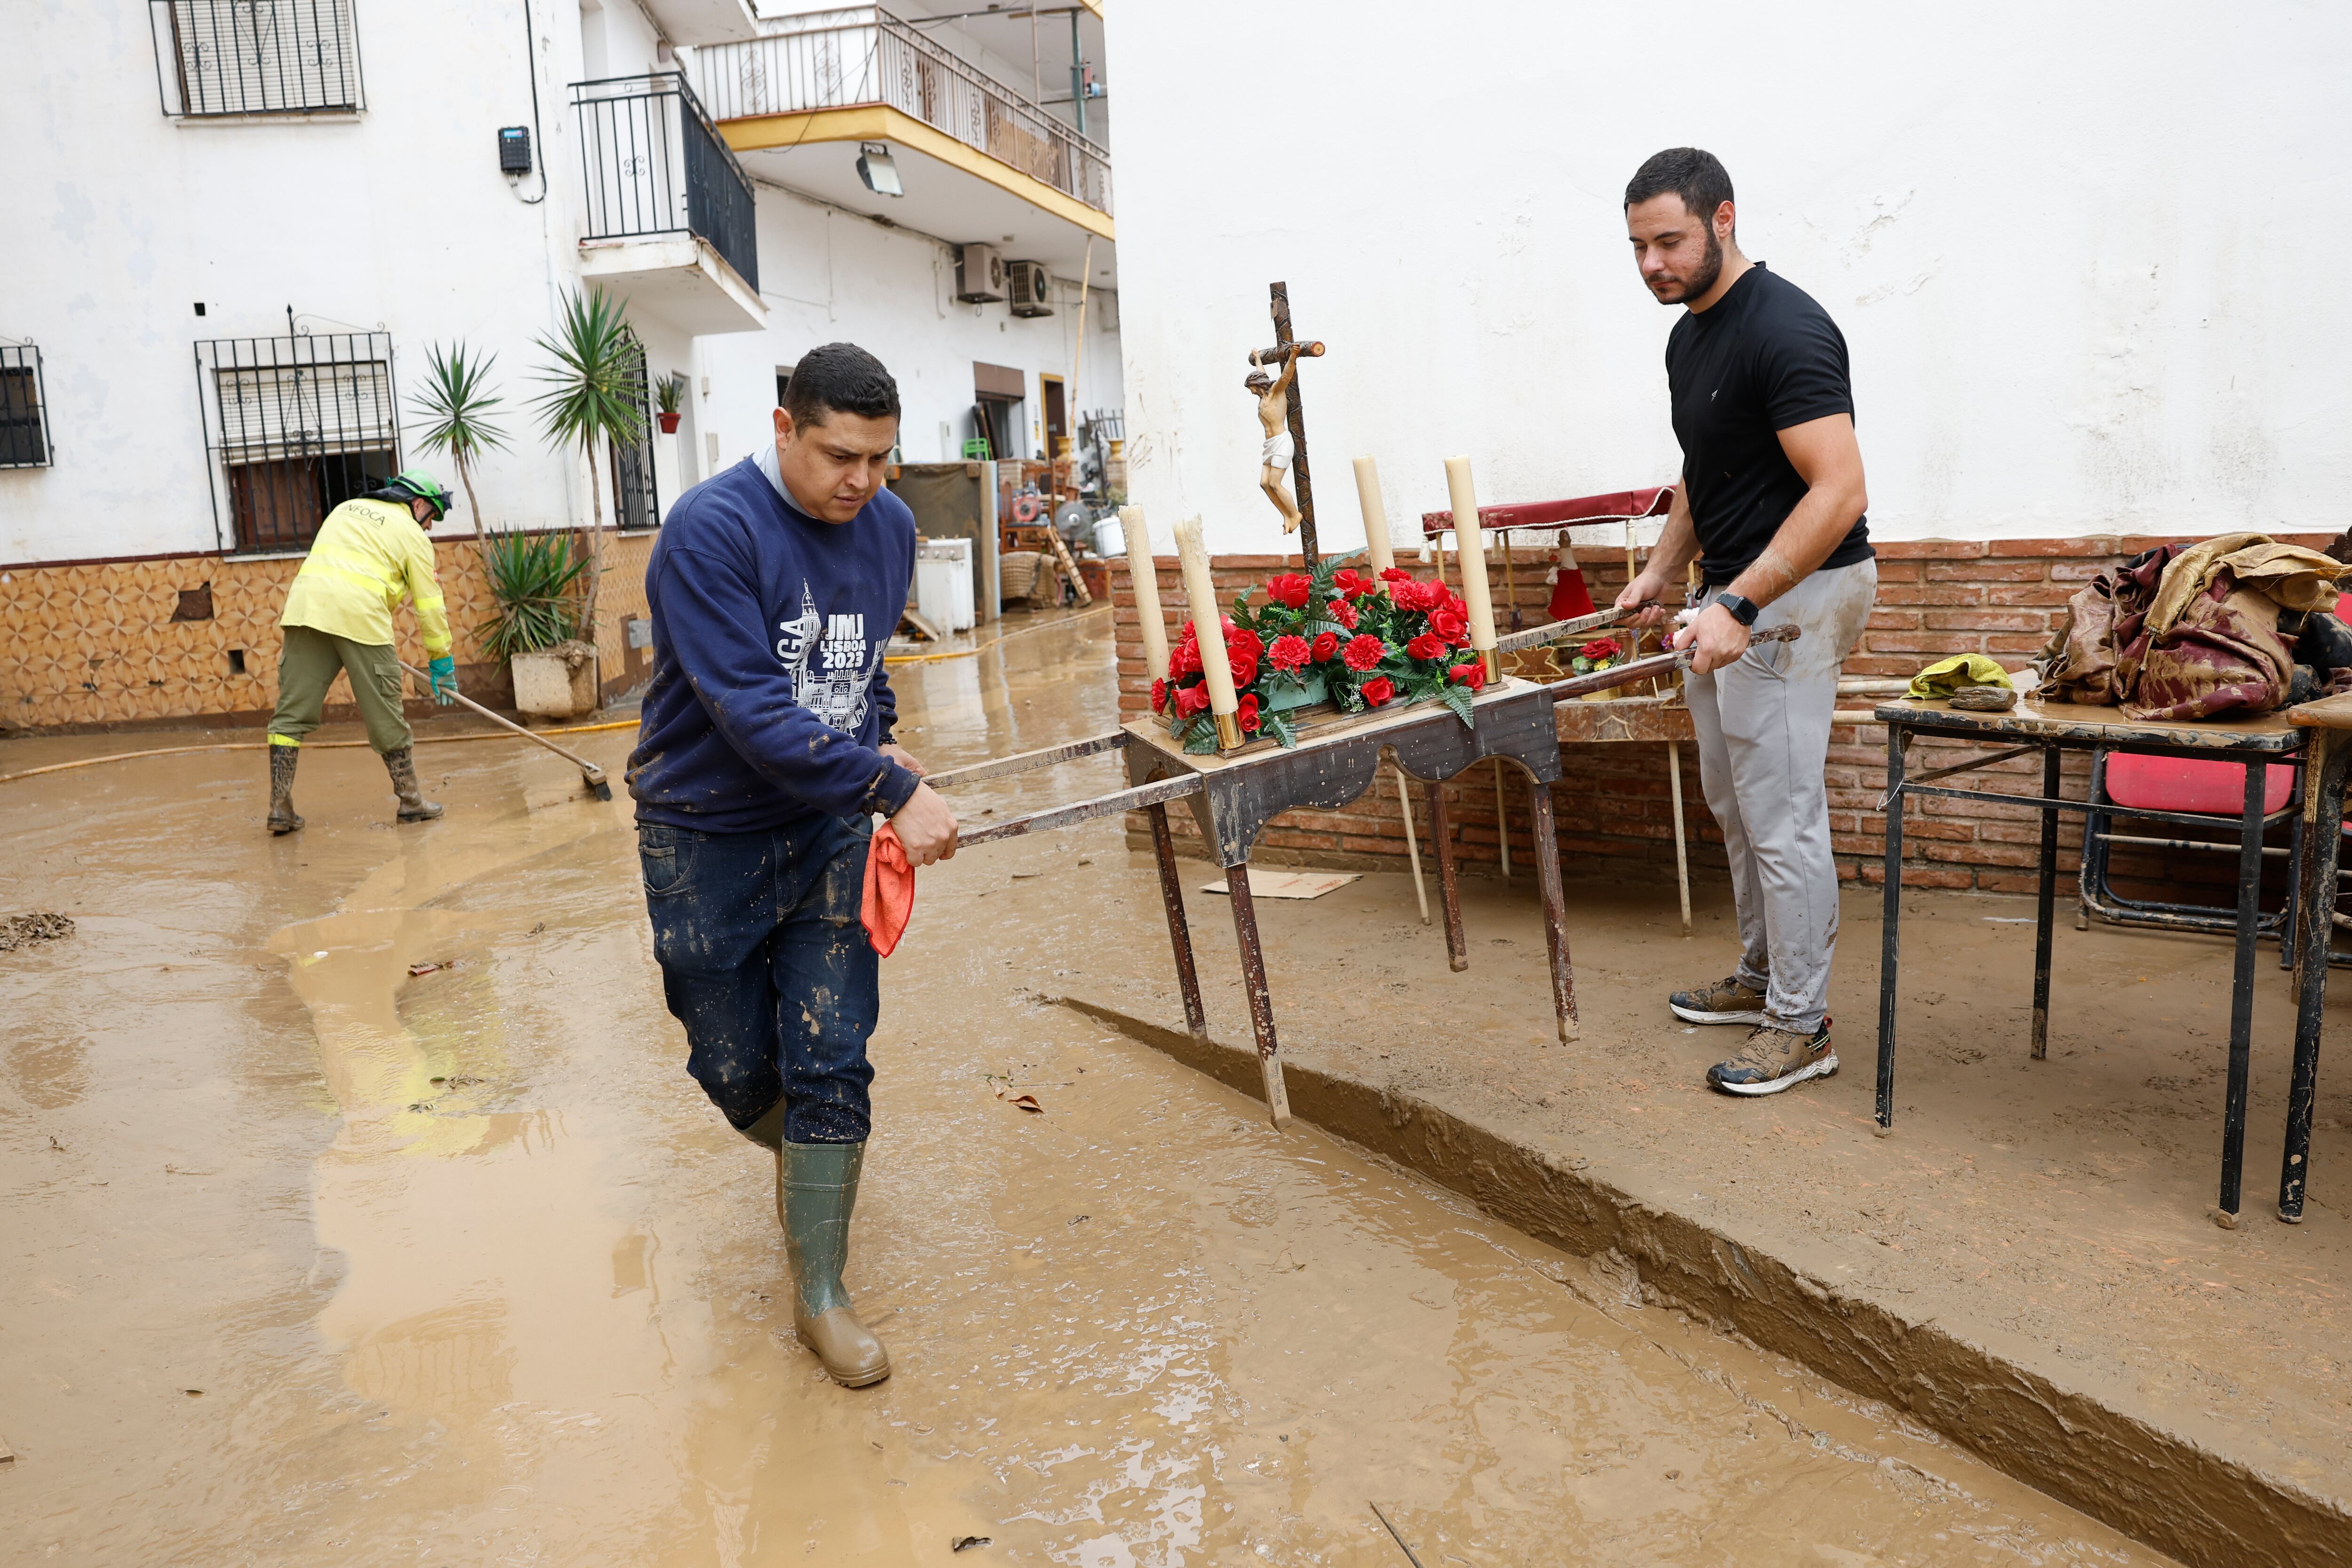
pixel 97 643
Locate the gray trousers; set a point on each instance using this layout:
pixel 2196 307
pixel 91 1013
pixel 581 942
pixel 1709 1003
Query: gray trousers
pixel 1763 726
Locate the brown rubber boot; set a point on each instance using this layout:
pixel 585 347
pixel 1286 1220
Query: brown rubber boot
pixel 413 807
pixel 816 1188
pixel 283 818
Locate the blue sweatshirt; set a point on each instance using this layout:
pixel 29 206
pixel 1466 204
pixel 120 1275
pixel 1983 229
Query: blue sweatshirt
pixel 767 699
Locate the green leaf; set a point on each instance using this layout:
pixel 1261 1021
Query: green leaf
pixel 532 578
pixel 596 382
pixel 457 405
pixel 1280 727
pixel 1201 737
pixel 1456 697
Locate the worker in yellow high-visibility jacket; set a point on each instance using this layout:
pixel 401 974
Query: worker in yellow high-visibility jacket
pixel 370 552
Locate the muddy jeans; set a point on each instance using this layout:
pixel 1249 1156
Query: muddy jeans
pixel 1763 728
pixel 765 962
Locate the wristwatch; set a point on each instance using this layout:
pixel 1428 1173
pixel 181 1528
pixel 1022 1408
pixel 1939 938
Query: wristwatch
pixel 1744 611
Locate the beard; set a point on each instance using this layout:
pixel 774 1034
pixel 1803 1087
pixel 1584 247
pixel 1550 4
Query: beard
pixel 1710 268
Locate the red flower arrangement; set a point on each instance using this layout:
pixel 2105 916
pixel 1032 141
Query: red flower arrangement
pixel 1333 634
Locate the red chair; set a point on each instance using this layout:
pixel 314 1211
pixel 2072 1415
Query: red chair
pixel 2127 780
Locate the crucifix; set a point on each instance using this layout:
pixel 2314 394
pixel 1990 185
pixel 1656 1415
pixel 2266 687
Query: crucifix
pixel 1275 380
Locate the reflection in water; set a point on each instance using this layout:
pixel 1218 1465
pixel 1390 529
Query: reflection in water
pixel 548 1320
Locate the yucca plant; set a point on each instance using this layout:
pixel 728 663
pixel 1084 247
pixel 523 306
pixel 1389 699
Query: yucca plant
pixel 462 412
pixel 595 388
pixel 532 579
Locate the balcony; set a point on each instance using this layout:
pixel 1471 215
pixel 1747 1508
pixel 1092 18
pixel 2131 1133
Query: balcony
pixel 667 219
pixel 859 74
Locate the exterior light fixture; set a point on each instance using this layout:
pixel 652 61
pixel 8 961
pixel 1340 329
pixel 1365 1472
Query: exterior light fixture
pixel 875 167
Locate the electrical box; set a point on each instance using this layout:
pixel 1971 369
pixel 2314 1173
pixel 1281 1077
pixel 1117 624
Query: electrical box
pixel 980 274
pixel 1029 288
pixel 514 149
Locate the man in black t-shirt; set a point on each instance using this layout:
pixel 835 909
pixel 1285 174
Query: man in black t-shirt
pixel 1770 505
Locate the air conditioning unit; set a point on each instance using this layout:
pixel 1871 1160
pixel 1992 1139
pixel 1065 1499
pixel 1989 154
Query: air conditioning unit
pixel 980 274
pixel 1031 290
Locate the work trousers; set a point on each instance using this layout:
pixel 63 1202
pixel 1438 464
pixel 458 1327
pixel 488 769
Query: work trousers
pixel 765 962
pixel 1763 725
pixel 307 668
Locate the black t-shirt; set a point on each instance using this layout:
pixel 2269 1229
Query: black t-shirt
pixel 1762 358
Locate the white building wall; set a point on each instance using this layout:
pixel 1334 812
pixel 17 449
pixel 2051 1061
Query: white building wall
pixel 831 276
pixel 2081 253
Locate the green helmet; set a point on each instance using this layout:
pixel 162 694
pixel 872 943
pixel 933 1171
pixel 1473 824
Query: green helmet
pixel 416 484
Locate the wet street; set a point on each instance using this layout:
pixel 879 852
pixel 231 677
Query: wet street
pixel 308 1258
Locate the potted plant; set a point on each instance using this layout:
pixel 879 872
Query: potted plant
pixel 1333 637
pixel 535 621
pixel 460 412
pixel 591 401
pixel 669 393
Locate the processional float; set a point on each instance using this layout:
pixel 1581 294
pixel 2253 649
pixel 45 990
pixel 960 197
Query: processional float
pixel 1234 784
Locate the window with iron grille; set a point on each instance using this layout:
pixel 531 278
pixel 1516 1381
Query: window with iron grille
pixel 256 56
pixel 24 409
pixel 294 427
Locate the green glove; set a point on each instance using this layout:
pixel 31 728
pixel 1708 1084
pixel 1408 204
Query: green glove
pixel 443 671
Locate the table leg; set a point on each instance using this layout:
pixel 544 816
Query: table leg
pixel 1441 831
pixel 2322 818
pixel 2046 910
pixel 1681 847
pixel 1172 893
pixel 1890 946
pixel 2241 993
pixel 1261 1004
pixel 1555 907
pixel 1502 822
pixel 1412 847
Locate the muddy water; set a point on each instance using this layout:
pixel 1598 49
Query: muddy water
pixel 310 1258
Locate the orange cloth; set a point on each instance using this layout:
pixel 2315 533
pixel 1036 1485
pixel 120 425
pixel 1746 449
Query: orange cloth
pixel 889 901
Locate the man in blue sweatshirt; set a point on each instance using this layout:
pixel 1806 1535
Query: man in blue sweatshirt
pixel 763 754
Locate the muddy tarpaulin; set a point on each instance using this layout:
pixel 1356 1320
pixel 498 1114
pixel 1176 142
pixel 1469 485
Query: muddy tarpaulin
pixel 950 501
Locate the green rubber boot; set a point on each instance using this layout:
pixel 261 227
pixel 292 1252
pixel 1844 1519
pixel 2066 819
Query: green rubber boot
pixel 816 1188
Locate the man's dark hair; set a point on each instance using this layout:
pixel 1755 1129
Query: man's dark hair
pixel 1697 177
pixel 839 376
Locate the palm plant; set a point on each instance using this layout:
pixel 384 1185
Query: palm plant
pixel 594 399
pixel 532 577
pixel 462 411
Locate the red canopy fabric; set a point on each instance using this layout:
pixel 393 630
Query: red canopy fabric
pixel 1617 506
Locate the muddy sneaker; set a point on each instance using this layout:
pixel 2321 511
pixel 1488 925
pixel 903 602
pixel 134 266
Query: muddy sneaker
pixel 1724 1002
pixel 1774 1059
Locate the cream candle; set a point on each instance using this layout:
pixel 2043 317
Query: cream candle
pixel 1208 629
pixel 1470 548
pixel 1376 516
pixel 1143 571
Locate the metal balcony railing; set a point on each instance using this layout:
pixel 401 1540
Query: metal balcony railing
pixel 653 164
pixel 861 55
pixel 256 56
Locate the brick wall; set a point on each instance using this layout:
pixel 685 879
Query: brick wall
pixel 1614 803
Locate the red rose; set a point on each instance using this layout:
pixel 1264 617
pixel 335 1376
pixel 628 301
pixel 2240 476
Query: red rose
pixel 1244 671
pixel 1378 690
pixel 1184 659
pixel 1395 575
pixel 1290 589
pixel 1344 613
pixel 1159 695
pixel 1449 623
pixel 1428 645
pixel 1289 652
pixel 1363 652
pixel 1241 643
pixel 1472 675
pixel 1191 700
pixel 1599 648
pixel 1352 584
pixel 1247 716
pixel 1326 645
